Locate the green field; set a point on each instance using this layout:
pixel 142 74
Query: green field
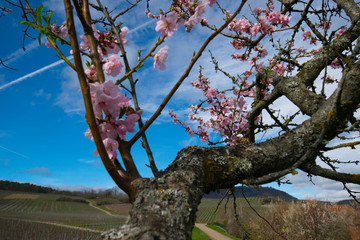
pixel 209 211
pixel 31 212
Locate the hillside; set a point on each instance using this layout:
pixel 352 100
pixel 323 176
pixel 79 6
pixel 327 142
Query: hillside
pixel 350 202
pixel 24 187
pixel 251 192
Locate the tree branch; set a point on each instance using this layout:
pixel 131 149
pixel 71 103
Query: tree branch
pixel 116 174
pixel 330 174
pixel 129 75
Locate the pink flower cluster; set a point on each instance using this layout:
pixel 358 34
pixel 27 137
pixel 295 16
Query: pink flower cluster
pixel 107 43
pixel 196 17
pixel 60 31
pixel 113 66
pixel 308 35
pixel 265 23
pixel 186 13
pixel 167 25
pixel 114 115
pixel 160 58
pixel 227 114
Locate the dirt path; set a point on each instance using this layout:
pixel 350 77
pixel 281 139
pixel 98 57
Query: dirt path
pixel 91 204
pixel 214 235
pixel 53 224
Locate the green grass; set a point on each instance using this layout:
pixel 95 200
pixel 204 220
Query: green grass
pixel 222 231
pixel 197 234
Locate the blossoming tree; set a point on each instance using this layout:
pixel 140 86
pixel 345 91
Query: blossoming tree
pixel 164 206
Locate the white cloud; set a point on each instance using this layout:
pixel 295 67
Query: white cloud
pixel 70 98
pixel 94 162
pixel 42 171
pixel 42 93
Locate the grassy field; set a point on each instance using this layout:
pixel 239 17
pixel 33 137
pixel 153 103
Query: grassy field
pixel 25 214
pixel 210 211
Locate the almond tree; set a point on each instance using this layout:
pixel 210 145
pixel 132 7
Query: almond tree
pixel 164 206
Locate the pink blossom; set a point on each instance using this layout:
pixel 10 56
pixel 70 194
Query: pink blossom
pixel 88 134
pixel 247 74
pixel 238 43
pixel 300 51
pixel 279 69
pixel 265 28
pixel 111 47
pixel 335 64
pixel 107 98
pixel 123 33
pixel 108 130
pixel 91 73
pixel 258 11
pixel 84 45
pixel 253 60
pixel 210 2
pixel 255 29
pixel 274 17
pixel 241 57
pixel 328 80
pixel 167 24
pixel 49 45
pixel 340 32
pixel 306 35
pixel 160 58
pixel 111 146
pixel 196 17
pixel 127 125
pixel 210 92
pixel 240 25
pixel 60 31
pixel 284 20
pixel 113 66
pixel 262 51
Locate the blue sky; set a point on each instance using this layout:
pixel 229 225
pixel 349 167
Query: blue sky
pixel 42 125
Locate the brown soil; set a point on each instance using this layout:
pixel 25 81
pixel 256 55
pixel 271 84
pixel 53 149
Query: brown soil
pixel 122 208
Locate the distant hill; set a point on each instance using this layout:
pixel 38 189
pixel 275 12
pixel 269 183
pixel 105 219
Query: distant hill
pixel 32 188
pixel 251 192
pixel 350 202
pixel 24 187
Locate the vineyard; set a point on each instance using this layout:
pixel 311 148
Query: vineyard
pixel 211 210
pixel 29 214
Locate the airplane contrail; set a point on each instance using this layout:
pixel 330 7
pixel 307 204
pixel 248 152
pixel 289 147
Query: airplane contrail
pixel 9 150
pixel 141 26
pixel 61 61
pixel 33 73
